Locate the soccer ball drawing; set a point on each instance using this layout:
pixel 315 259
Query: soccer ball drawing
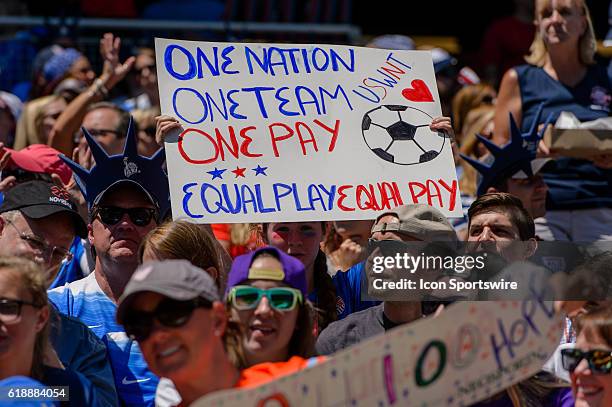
pixel 393 139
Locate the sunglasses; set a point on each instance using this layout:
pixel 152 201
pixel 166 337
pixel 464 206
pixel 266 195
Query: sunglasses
pixel 10 310
pixel 169 313
pixel 111 215
pixel 245 297
pixel 600 361
pixel 103 132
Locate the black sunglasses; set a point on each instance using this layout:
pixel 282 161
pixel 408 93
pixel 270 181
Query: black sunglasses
pixel 102 132
pixel 600 361
pixel 111 215
pixel 169 313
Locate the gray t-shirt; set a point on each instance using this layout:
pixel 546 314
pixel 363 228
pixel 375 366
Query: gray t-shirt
pixel 353 329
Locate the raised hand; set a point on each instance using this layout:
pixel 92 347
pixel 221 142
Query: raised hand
pixel 113 71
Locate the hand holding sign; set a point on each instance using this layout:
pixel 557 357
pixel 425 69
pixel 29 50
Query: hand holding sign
pixel 266 127
pixel 164 126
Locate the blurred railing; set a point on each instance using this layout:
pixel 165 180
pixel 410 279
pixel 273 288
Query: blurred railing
pixel 351 32
pixel 17 51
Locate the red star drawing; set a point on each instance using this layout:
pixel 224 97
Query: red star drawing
pixel 239 172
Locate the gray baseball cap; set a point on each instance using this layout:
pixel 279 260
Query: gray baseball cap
pixel 420 221
pixel 176 279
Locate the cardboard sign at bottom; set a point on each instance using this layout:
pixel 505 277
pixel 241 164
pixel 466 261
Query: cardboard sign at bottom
pixel 470 352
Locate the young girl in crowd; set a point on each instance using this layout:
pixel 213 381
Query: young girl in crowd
pixel 267 296
pixel 590 362
pixel 24 331
pixel 302 240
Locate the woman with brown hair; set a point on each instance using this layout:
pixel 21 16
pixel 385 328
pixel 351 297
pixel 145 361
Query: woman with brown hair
pixel 302 240
pixel 267 295
pixel 590 362
pixel 468 98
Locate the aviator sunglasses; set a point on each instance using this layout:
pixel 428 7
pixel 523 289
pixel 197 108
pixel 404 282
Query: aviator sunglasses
pixel 246 297
pixel 111 215
pixel 169 313
pixel 600 361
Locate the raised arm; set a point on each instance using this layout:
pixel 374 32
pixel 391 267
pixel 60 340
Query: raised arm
pixel 508 101
pixel 61 135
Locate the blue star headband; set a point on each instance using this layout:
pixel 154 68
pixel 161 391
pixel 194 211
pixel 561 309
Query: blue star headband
pixel 514 156
pixel 145 172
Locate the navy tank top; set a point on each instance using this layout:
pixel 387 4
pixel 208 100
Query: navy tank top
pixel 572 183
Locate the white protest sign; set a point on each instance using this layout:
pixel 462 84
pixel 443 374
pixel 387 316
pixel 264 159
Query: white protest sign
pixel 471 351
pixel 281 132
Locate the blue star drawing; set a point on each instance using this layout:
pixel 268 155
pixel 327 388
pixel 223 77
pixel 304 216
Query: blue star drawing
pixel 260 170
pixel 216 173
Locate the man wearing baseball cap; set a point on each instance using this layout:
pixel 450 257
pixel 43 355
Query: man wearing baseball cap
pixel 127 196
pixel 38 220
pixel 406 223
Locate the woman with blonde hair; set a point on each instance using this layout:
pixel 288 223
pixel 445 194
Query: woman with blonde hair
pixel 184 240
pixel 145 118
pixel 561 75
pixel 24 331
pixel 467 99
pixel 477 121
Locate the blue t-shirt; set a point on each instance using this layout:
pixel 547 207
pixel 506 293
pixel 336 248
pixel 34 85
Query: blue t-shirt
pixel 85 300
pixel 572 183
pixel 348 291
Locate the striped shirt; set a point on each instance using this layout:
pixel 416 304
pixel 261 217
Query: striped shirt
pixel 85 300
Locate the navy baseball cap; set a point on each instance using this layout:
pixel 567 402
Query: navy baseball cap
pixel 293 273
pixel 39 199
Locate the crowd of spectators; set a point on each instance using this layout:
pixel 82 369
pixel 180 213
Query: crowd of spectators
pixel 102 292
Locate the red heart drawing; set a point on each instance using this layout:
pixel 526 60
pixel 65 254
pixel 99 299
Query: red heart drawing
pixel 418 93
